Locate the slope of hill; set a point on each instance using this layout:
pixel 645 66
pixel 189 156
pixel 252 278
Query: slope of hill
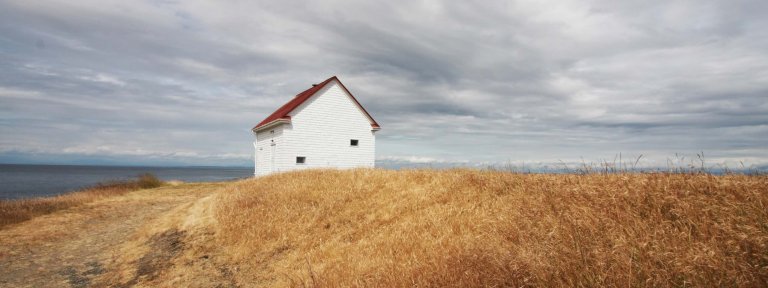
pixel 468 228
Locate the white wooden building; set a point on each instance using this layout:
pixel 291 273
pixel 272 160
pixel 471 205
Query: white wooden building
pixel 323 126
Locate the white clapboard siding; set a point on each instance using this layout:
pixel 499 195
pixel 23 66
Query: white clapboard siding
pixel 320 129
pixel 264 149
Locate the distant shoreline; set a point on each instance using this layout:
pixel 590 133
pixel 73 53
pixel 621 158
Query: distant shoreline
pixel 22 181
pixel 128 165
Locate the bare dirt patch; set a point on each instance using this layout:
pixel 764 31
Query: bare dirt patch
pixel 163 248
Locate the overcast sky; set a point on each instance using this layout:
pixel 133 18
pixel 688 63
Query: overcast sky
pixel 182 82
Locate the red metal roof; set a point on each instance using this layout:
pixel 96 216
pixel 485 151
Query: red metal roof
pixel 282 112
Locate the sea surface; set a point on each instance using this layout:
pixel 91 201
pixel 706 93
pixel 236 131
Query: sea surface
pixel 27 181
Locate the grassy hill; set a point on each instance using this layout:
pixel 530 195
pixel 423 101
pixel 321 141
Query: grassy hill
pixel 473 228
pixel 437 228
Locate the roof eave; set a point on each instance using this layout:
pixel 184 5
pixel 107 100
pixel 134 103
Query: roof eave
pixel 272 124
pixel 374 124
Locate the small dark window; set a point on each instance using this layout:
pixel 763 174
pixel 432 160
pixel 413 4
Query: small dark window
pixel 301 160
pixel 353 142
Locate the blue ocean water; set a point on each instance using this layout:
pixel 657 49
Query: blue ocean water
pixel 27 181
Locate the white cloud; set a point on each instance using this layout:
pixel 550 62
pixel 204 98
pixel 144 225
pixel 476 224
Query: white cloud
pixel 411 159
pixel 104 78
pixel 7 92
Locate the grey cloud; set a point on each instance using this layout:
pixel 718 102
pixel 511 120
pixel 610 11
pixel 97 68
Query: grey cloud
pixel 453 82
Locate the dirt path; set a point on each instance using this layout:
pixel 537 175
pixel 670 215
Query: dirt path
pixel 70 248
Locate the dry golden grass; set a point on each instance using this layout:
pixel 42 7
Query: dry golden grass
pixel 15 211
pixel 484 228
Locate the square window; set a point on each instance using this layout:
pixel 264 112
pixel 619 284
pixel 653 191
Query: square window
pixel 353 142
pixel 301 160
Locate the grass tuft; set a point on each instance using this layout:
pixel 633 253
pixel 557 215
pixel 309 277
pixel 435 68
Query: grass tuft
pixel 148 181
